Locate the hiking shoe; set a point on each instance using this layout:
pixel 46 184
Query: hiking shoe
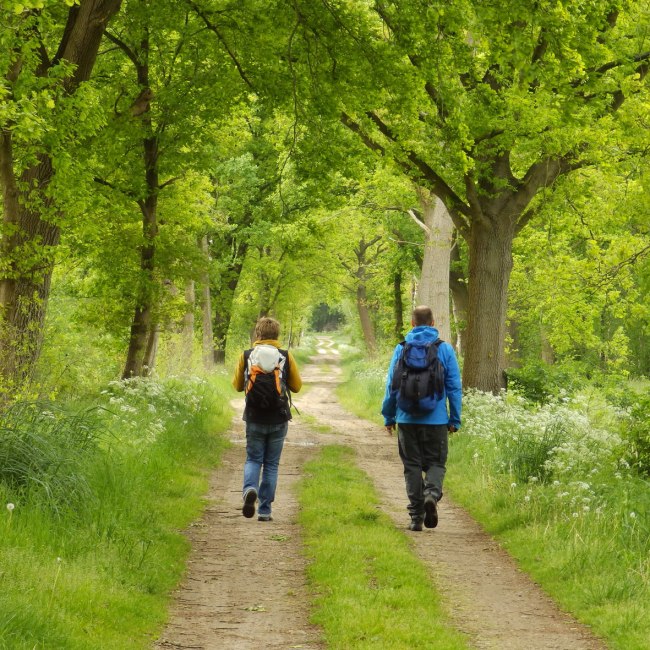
pixel 264 518
pixel 430 511
pixel 416 524
pixel 248 509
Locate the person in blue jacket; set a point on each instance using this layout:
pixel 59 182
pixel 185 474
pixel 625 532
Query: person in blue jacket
pixel 423 437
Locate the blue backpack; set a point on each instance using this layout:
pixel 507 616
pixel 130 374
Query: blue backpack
pixel 418 377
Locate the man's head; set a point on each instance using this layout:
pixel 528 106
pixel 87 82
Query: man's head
pixel 267 328
pixel 422 315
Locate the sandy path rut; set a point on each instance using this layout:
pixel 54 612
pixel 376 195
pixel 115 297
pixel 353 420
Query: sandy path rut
pixel 245 586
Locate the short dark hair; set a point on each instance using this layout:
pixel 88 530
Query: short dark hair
pixel 422 315
pixel 267 328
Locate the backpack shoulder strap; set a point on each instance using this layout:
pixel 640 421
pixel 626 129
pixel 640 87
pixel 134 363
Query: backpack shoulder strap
pixel 285 369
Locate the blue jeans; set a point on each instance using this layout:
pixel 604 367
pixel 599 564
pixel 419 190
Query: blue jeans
pixel 263 450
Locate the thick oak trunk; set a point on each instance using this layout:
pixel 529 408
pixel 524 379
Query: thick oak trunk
pixel 26 278
pixel 151 350
pixel 433 288
pixel 490 265
pixel 459 299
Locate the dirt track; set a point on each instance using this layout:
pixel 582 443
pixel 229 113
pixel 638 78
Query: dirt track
pixel 246 588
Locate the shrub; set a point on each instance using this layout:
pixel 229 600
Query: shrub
pixel 637 435
pixel 540 382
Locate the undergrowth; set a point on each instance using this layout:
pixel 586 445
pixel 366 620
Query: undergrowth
pixel 94 497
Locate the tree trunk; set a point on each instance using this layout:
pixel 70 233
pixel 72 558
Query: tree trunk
pixel 187 335
pixel 25 282
pixel 547 352
pixel 223 312
pixel 151 350
pixel 398 306
pixel 490 255
pixel 433 289
pixel 366 321
pixel 459 298
pixel 512 357
pixel 207 338
pixel 144 301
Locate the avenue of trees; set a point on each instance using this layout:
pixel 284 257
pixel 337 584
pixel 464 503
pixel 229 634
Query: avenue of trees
pixel 172 170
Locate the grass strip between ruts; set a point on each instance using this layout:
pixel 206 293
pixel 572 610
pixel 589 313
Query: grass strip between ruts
pixel 370 589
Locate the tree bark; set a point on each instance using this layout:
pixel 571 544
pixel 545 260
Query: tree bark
pixel 207 338
pixel 366 322
pixel 187 335
pixel 151 351
pixel 25 286
pixel 433 288
pixel 490 255
pixel 224 313
pixel 459 298
pixel 142 316
pixel 398 306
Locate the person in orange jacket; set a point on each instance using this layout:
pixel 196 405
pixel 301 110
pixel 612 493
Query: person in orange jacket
pixel 266 373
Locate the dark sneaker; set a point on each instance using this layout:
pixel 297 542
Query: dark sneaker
pixel 248 509
pixel 264 518
pixel 430 511
pixel 416 524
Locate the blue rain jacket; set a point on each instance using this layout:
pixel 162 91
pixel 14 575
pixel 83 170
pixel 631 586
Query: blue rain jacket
pixel 453 388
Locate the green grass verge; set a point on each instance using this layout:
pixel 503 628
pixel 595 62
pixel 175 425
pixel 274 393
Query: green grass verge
pixel 594 562
pixel 361 390
pixel 370 589
pixel 580 526
pixel 98 573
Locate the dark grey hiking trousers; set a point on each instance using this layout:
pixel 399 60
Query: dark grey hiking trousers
pixel 423 450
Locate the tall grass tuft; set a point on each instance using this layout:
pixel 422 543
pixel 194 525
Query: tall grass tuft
pixel 43 450
pixel 362 388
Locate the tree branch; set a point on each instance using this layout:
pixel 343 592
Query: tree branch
pixel 413 214
pixel 213 28
pixel 439 187
pixel 355 128
pixel 169 182
pixel 106 183
pixel 124 47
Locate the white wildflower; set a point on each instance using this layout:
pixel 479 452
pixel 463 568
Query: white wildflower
pixel 10 507
pixel 633 515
